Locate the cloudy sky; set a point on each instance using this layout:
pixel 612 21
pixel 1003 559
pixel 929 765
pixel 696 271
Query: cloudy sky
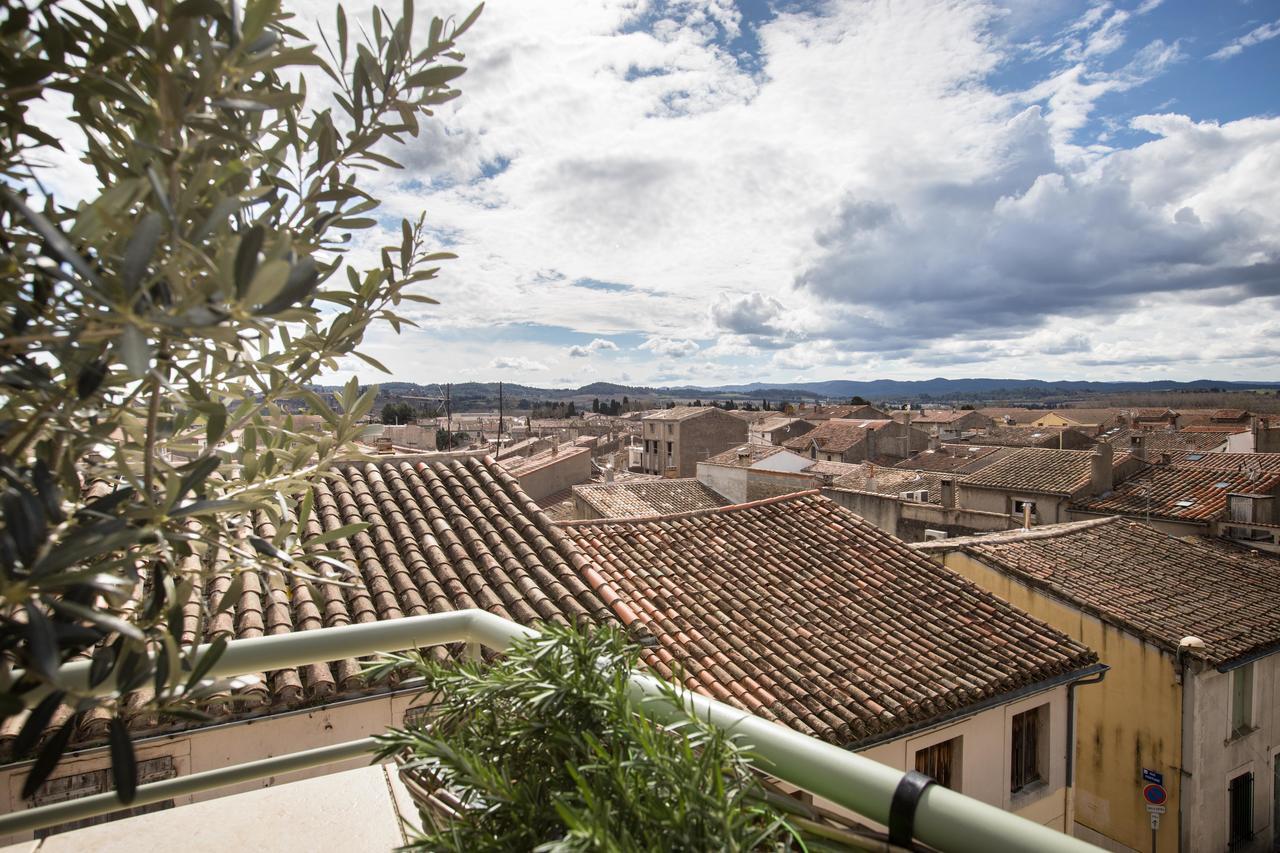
pixel 706 191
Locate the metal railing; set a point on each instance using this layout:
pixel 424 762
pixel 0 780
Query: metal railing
pixel 944 819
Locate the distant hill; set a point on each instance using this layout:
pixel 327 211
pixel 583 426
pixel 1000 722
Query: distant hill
pixel 481 395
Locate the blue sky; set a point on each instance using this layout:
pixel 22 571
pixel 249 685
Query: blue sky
pixel 700 191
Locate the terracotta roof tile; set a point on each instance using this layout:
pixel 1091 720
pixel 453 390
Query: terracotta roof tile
pixel 835 436
pixel 800 611
pixel 1170 491
pixel 954 458
pixel 1165 440
pixel 745 455
pixel 656 497
pixel 1034 469
pixel 1161 587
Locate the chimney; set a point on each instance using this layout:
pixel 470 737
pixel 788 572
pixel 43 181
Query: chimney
pixel 870 485
pixel 948 490
pixel 1101 474
pixel 1138 446
pixel 608 474
pixel 935 439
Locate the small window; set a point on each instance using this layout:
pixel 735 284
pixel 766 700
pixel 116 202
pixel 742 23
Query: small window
pixel 941 762
pixel 1242 700
pixel 1027 748
pixel 671 428
pixel 1019 506
pixel 1240 794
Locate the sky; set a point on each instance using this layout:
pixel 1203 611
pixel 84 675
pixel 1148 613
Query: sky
pixel 708 192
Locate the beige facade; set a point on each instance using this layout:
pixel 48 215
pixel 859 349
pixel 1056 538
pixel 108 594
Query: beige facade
pixel 676 440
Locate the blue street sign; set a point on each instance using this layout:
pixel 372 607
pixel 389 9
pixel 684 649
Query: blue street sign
pixel 1152 776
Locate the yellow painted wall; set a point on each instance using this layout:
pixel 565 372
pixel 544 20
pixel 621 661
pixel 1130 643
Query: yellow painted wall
pixel 1130 721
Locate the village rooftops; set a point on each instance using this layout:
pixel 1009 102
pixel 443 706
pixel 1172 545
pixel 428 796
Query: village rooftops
pixel 681 413
pixel 1175 492
pixel 931 416
pixel 803 613
pixel 954 458
pixel 1159 587
pixel 883 480
pixel 835 436
pixel 1164 440
pixel 520 465
pixel 745 455
pixel 1032 436
pixel 649 498
pixel 1040 471
pixel 1256 463
pixel 1013 415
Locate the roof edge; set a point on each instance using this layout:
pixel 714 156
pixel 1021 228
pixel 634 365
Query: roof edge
pixel 1047 531
pixel 595 522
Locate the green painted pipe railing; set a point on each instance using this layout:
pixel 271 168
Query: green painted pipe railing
pixel 945 820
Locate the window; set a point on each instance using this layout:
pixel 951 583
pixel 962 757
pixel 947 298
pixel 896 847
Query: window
pixel 1240 799
pixel 1242 700
pixel 1019 506
pixel 76 785
pixel 941 762
pixel 1027 750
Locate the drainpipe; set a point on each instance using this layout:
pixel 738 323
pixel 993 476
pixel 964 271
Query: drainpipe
pixel 1187 676
pixel 1070 743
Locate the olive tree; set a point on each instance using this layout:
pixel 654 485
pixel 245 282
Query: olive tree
pixel 162 321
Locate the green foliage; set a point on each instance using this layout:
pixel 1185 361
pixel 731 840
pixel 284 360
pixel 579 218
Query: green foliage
pixel 545 749
pixel 443 441
pixel 398 413
pixel 156 324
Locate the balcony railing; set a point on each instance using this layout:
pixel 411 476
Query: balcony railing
pixel 944 819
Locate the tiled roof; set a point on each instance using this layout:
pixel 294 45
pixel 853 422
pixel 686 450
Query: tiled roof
pixel 1229 414
pixel 442 536
pixel 835 436
pixel 775 422
pixel 680 413
pixel 1164 440
pixel 1151 414
pixel 1170 491
pixel 1029 436
pixel 803 613
pixel 932 416
pixel 658 497
pixel 892 481
pixel 1161 587
pixel 1246 462
pixel 1015 414
pixel 518 465
pixel 1035 469
pixel 1224 429
pixel 954 458
pixel 863 412
pixel 745 455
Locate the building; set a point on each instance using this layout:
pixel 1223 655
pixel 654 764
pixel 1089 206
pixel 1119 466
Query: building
pixel 550 471
pixel 1039 485
pixel 947 424
pixel 777 429
pixel 1057 438
pixel 790 608
pixel 1191 633
pixel 676 440
pixel 750 472
pixel 1012 415
pixel 856 412
pixel 1150 443
pixel 1088 421
pixel 840 440
pixel 1152 418
pixel 1189 494
pixel 953 458
pixel 806 615
pixel 645 498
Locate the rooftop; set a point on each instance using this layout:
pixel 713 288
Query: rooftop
pixel 836 435
pixel 804 613
pixel 1039 470
pixel 954 458
pixel 519 465
pixel 647 498
pixel 1164 440
pixel 892 481
pixel 745 455
pixel 1160 587
pixel 681 413
pixel 1170 491
pixel 1246 462
pixel 1029 436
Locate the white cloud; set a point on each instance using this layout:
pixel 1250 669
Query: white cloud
pixel 670 347
pixel 516 363
pixel 1257 35
pixel 596 345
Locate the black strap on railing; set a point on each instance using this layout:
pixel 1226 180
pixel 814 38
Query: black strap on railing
pixel 902 810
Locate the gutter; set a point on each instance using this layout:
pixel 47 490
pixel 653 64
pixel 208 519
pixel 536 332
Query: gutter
pixel 981 705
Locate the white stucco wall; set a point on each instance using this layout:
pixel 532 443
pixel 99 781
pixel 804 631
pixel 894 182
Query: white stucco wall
pixel 725 480
pixel 1220 757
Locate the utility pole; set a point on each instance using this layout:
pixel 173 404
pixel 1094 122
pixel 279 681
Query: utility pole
pixel 499 416
pixel 448 415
